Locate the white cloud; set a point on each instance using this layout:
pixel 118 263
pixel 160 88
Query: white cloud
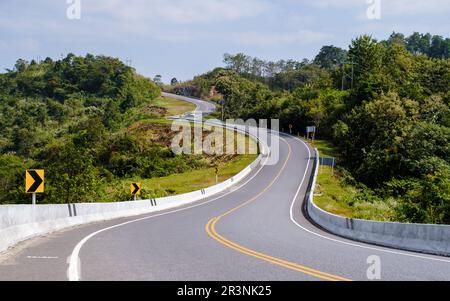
pixel 27 44
pixel 285 38
pixel 392 7
pixel 338 3
pixel 180 11
pixel 415 7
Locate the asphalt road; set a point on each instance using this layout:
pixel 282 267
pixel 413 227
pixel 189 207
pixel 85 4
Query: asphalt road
pixel 204 107
pixel 254 232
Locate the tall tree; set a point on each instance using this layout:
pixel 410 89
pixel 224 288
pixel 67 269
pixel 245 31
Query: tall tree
pixel 330 57
pixel 239 63
pixel 158 79
pixel 366 55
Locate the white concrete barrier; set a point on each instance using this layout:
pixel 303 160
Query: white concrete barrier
pixel 22 222
pixel 423 238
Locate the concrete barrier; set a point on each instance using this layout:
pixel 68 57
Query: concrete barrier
pixel 22 222
pixel 423 238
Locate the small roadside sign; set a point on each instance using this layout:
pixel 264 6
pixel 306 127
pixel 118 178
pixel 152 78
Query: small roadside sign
pixel 324 161
pixel 135 188
pixel 34 181
pixel 311 130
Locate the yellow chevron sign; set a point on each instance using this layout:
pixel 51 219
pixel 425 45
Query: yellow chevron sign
pixel 34 181
pixel 135 188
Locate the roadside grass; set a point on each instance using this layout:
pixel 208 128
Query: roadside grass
pixel 215 115
pixel 184 182
pixel 336 196
pixel 229 166
pixel 174 107
pixel 326 148
pixel 331 194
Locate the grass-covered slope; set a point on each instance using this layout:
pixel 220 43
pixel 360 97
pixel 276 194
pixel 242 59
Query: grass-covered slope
pixel 92 123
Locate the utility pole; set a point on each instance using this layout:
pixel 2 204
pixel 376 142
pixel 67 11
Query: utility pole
pixel 345 75
pixel 353 73
pixel 222 102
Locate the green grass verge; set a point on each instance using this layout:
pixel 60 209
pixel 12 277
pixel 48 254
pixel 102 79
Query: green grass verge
pixel 178 183
pixel 184 182
pixel 331 194
pixel 174 107
pixel 326 148
pixel 197 179
pixel 335 196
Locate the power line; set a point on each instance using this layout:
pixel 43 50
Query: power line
pixel 350 75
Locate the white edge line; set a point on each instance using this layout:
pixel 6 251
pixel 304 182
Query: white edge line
pixel 340 241
pixel 73 272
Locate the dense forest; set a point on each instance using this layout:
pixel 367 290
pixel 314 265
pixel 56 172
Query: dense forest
pixel 82 120
pixel 384 104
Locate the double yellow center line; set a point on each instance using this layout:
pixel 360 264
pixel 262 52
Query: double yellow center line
pixel 210 229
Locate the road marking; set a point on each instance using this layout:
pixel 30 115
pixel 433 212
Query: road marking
pixel 210 229
pixel 73 272
pixel 344 242
pixel 42 257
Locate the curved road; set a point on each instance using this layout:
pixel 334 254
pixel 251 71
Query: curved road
pixel 254 232
pixel 204 107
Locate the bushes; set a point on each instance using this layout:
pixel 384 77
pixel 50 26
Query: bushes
pixel 390 124
pixel 367 204
pixel 127 155
pixel 56 115
pixel 426 200
pixel 11 179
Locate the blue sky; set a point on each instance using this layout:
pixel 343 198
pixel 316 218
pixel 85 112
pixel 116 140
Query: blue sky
pixel 183 38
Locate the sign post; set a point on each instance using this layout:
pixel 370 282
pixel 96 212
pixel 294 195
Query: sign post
pixel 34 183
pixel 311 130
pixel 217 175
pixel 324 161
pixel 135 190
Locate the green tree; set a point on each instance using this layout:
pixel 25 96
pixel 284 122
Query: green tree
pixel 372 135
pixel 12 174
pixel 240 63
pixel 427 200
pixel 366 54
pixel 71 175
pixel 158 80
pixel 330 57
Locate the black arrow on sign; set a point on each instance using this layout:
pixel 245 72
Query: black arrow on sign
pixel 37 181
pixel 136 188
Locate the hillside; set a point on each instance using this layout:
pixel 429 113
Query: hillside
pixel 384 104
pixel 93 124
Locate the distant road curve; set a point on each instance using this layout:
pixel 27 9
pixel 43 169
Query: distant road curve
pixel 205 107
pixel 255 231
